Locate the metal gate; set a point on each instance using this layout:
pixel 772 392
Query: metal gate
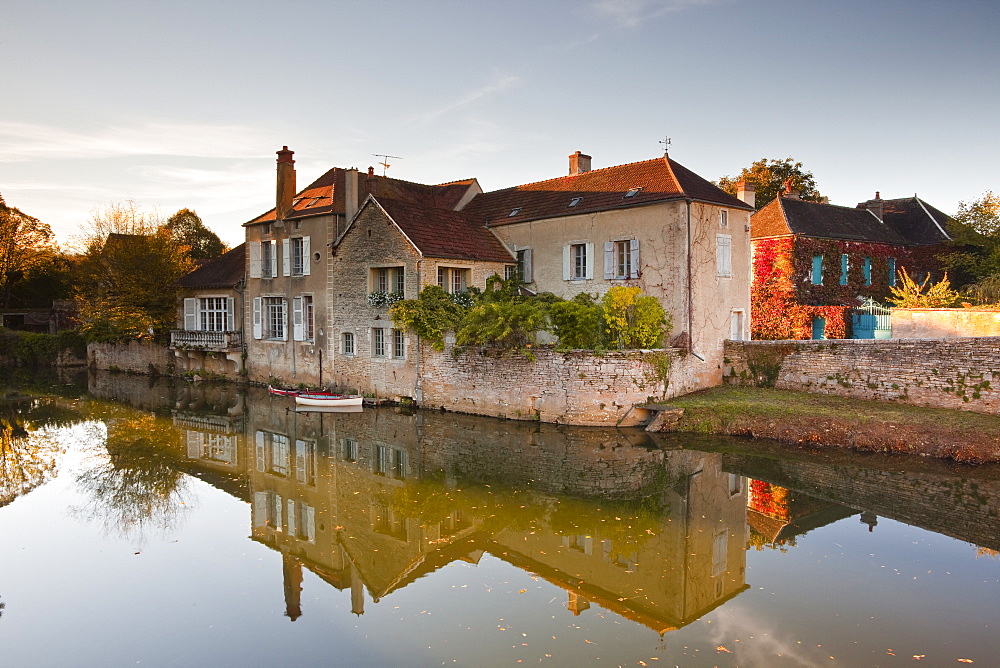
pixel 871 321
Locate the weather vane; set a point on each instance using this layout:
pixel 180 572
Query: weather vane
pixel 385 160
pixel 666 144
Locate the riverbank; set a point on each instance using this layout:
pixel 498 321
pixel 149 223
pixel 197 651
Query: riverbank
pixel 825 420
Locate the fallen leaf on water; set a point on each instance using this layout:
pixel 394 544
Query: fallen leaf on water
pixel 720 648
pixel 919 656
pixel 965 661
pixel 522 591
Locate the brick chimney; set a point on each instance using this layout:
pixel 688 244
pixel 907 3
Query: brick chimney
pixel 578 163
pixel 746 192
pixel 350 193
pixel 790 191
pixel 286 183
pixel 876 206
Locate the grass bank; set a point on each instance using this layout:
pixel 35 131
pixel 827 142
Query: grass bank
pixel 872 426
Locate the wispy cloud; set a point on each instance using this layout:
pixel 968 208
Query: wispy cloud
pixel 500 84
pixel 20 142
pixel 630 13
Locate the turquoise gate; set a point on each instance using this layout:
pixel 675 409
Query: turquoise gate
pixel 870 321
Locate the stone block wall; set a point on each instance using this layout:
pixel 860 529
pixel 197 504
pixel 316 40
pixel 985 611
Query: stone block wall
pixel 943 322
pixel 133 356
pixel 569 387
pixel 957 373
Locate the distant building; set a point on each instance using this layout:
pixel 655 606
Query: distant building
pixel 813 262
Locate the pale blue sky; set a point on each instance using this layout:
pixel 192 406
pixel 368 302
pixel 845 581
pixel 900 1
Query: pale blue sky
pixel 183 104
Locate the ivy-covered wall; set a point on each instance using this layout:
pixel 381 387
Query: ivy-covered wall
pixel 784 297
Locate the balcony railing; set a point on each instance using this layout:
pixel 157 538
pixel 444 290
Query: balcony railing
pixel 219 341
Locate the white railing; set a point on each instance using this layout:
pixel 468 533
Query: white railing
pixel 182 338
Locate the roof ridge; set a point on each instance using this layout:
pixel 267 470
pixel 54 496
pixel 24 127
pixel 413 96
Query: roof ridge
pixel 567 176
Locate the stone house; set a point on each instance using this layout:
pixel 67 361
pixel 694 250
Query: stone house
pixel 814 262
pixel 653 224
pixel 211 314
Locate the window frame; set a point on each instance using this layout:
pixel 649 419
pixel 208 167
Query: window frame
pixel 348 344
pixel 724 255
pixel 378 342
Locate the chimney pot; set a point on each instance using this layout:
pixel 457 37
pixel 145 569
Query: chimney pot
pixel 877 195
pixel 745 192
pixel 371 171
pixel 578 163
pixel 285 190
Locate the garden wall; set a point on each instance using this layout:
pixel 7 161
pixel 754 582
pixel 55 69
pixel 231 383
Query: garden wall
pixel 569 387
pixel 958 373
pixel 133 356
pixel 912 323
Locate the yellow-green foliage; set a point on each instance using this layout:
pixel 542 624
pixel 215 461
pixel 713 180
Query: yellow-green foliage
pixel 634 320
pixel 910 294
pixel 432 314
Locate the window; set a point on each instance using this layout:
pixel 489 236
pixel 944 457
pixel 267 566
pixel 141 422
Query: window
pixel 866 270
pixel 724 255
pixel 817 270
pixel 892 271
pixel 632 192
pixel 509 271
pixel 736 326
pixel 720 547
pixel 390 280
pixel 724 219
pixel 735 484
pixel 378 342
pixel 578 261
pixel 296 256
pixel 398 344
pixel 269 318
pixel 208 314
pixel 303 320
pixel 524 265
pixel 305 462
pixel 575 201
pixel 349 450
pixel 845 264
pixel 453 280
pixel 514 212
pixel 621 259
pixel 347 343
pixel 263 260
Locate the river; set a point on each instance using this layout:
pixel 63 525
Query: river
pixel 159 522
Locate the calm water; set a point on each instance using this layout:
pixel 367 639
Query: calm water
pixel 166 524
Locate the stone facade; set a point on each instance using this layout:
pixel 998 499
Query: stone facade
pixel 957 373
pixel 572 387
pixel 915 323
pixel 134 356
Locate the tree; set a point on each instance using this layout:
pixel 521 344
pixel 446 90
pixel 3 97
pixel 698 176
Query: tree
pixel 910 294
pixel 25 242
pixel 769 178
pixel 127 276
pixel 187 229
pixel 982 215
pixel 974 248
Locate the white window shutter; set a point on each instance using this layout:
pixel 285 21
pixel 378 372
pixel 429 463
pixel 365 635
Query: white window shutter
pixel 305 256
pixel 724 255
pixel 284 316
pixel 259 509
pixel 258 329
pixel 274 258
pixel 311 524
pixel 297 319
pixel 590 260
pixel 300 461
pixel 190 314
pixel 286 257
pixel 527 277
pixel 230 319
pixel 194 445
pixel 609 259
pixel 634 256
pixel 567 263
pixel 259 443
pixel 291 517
pixel 254 259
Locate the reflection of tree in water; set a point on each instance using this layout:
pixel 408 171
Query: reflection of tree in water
pixel 135 482
pixel 28 452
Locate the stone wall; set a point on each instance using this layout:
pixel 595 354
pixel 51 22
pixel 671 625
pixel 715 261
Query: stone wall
pixel 957 373
pixel 133 356
pixel 569 387
pixel 944 322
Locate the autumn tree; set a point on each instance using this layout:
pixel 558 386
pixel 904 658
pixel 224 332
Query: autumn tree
pixel 25 243
pixel 128 272
pixel 187 229
pixel 973 254
pixel 769 177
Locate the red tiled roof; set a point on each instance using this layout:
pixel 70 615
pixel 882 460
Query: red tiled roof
pixel 444 233
pixel 657 180
pixel 326 194
pixel 223 272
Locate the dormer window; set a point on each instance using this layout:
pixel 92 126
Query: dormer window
pixel 267 229
pixel 514 212
pixel 575 201
pixel 633 192
pixel 315 199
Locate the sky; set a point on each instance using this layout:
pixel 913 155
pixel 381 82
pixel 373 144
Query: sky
pixel 184 104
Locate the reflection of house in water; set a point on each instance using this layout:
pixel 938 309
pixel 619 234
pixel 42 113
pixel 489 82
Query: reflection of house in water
pixel 378 499
pixel 776 515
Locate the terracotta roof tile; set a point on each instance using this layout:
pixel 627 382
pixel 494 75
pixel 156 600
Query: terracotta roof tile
pixel 650 181
pixel 444 233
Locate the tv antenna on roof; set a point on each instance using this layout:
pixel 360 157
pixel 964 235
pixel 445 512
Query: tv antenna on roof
pixel 666 144
pixel 385 160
